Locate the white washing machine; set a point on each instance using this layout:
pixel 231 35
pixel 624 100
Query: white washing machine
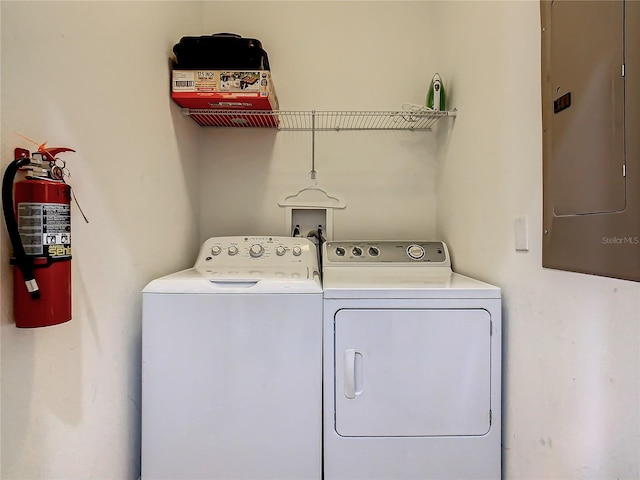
pixel 412 365
pixel 232 364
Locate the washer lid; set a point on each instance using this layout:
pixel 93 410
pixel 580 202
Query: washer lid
pixel 238 281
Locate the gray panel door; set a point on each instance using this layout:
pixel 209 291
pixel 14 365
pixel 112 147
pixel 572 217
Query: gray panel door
pixel 587 126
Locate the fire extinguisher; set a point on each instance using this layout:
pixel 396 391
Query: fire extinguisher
pixel 37 211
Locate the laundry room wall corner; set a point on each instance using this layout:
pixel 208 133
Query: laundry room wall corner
pixel 93 76
pixel 571 367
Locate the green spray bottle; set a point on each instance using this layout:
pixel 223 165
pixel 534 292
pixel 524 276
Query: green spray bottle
pixel 436 97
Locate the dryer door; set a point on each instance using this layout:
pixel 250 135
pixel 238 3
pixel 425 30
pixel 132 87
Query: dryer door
pixel 412 372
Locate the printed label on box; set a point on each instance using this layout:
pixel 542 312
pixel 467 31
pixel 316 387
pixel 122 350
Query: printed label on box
pixel 222 81
pixel 183 81
pixel 239 81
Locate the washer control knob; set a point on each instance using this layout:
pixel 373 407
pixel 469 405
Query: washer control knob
pixel 340 251
pixel 232 250
pixel 415 251
pixel 280 250
pixel 357 251
pixel 374 251
pixel 297 251
pixel 216 250
pixel 256 250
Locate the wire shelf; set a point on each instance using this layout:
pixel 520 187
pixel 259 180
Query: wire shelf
pixel 415 119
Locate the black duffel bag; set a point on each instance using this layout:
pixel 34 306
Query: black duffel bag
pixel 220 51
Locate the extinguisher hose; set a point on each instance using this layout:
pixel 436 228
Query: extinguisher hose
pixel 22 261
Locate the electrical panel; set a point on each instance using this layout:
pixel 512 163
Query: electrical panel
pixel 590 107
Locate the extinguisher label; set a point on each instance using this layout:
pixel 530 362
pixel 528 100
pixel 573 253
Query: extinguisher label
pixel 45 229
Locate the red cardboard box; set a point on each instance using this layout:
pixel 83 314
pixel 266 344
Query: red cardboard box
pixel 248 98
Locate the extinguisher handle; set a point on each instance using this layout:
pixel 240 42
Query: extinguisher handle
pixel 51 152
pixel 22 261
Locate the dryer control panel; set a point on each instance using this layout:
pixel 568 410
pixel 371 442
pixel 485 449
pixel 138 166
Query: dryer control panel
pixel 267 251
pixel 385 252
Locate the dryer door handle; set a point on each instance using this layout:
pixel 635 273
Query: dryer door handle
pixel 352 373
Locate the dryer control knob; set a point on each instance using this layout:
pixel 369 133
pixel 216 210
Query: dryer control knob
pixel 256 250
pixel 216 250
pixel 232 250
pixel 280 250
pixel 297 251
pixel 357 251
pixel 415 251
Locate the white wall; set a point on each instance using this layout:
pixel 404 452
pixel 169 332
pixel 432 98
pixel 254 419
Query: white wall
pixel 94 76
pixel 328 56
pixel 572 361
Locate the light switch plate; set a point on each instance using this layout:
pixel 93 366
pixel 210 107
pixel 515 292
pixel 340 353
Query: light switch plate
pixel 521 235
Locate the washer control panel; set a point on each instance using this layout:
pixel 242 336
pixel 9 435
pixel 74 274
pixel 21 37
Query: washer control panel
pixel 386 252
pixel 266 251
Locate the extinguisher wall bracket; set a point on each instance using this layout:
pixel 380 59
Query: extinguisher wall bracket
pixel 21 153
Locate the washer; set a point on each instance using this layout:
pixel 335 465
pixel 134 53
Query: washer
pixel 232 364
pixel 412 365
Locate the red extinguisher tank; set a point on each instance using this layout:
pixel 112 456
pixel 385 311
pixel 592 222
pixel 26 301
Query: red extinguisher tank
pixel 43 211
pixel 37 212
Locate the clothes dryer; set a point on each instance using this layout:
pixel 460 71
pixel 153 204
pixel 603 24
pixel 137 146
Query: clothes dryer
pixel 412 365
pixel 232 364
